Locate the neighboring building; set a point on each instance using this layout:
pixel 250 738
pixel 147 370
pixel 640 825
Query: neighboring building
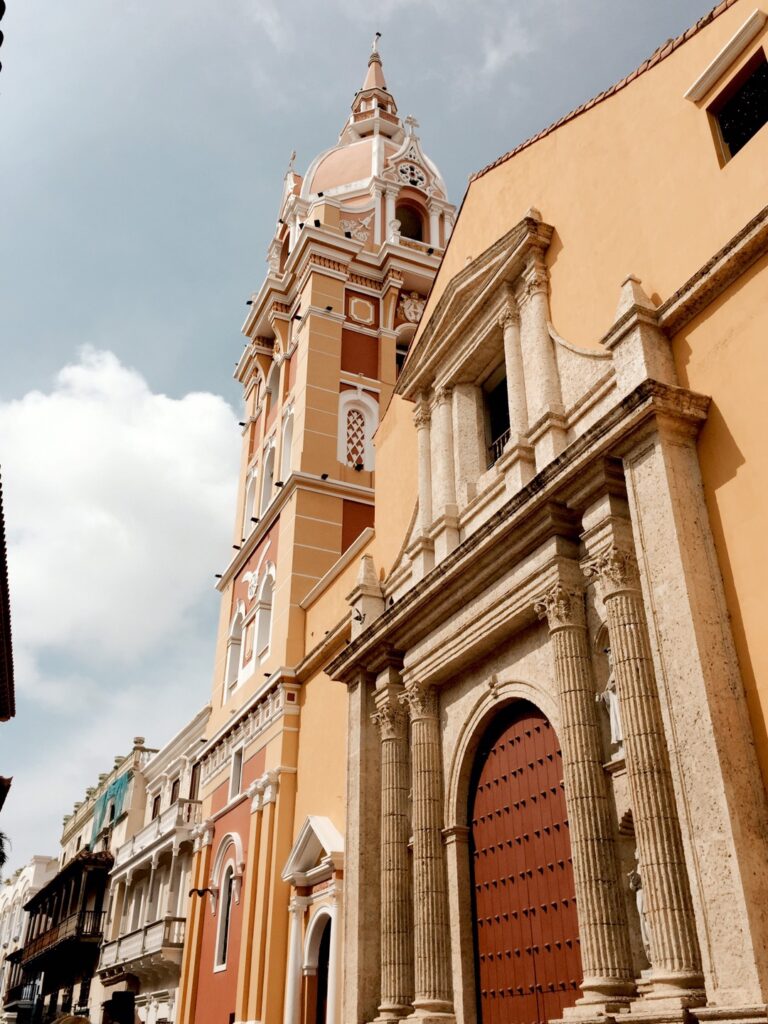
pixel 67 915
pixel 357 245
pixel 16 998
pixel 141 955
pixel 7 692
pixel 559 671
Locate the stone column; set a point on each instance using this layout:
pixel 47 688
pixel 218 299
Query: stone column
pixel 605 951
pixel 378 234
pixel 542 380
pixel 422 419
pixel 469 449
pixel 443 476
pixel 292 1009
pixel 509 321
pixel 434 225
pixel 389 208
pixel 675 957
pixel 433 992
pixel 396 896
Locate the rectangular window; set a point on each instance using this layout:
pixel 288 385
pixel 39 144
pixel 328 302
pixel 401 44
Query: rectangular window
pixel 175 790
pixel 194 782
pixel 156 807
pixel 496 415
pixel 741 109
pixel 236 777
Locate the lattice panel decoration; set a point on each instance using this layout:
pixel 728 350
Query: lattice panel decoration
pixel 355 438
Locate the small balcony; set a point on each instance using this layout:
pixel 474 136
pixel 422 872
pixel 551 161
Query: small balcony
pixel 20 996
pixel 85 926
pixel 162 940
pixel 496 448
pixel 184 814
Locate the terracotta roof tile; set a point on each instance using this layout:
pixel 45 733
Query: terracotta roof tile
pixel 659 54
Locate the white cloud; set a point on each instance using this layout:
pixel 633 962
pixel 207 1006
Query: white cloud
pixel 118 505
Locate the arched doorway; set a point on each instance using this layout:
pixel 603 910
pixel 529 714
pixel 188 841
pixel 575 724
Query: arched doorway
pixel 527 957
pixel 323 963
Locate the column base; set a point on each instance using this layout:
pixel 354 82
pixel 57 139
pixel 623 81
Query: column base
pixel 517 464
pixel 445 533
pixel 668 990
pixel 422 555
pixel 388 1014
pixel 432 1011
pixel 602 997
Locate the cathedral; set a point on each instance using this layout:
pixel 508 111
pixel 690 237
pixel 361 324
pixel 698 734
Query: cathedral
pixel 486 741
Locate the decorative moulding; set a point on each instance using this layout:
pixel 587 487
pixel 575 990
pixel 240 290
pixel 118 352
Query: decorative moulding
pixel 729 54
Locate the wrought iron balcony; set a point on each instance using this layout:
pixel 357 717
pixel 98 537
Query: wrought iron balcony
pixel 496 448
pixel 165 934
pixel 182 814
pixel 26 992
pixel 85 925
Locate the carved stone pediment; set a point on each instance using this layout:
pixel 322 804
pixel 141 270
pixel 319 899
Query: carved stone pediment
pixel 473 296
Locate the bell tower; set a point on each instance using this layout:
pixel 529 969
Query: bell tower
pixel 357 243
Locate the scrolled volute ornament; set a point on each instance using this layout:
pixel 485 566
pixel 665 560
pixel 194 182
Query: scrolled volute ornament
pixel 390 721
pixel 614 569
pixel 509 317
pixel 421 700
pixel 561 606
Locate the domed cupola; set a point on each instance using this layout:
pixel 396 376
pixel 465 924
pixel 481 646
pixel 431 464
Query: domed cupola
pixel 386 188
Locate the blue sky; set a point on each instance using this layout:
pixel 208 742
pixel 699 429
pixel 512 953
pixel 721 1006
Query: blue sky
pixel 143 148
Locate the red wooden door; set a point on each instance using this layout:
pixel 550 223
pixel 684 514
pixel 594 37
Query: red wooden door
pixel 526 931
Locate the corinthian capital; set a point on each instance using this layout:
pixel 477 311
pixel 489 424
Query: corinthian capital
pixel 390 720
pixel 421 700
pixel 614 569
pixel 561 606
pixel 509 317
pixel 421 412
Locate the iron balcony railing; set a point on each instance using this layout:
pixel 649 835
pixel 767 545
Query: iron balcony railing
pixel 183 813
pixel 166 933
pixel 26 992
pixel 495 448
pixel 87 924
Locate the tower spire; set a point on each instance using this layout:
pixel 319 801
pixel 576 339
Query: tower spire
pixel 374 79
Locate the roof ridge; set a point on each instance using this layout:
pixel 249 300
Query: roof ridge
pixel 659 54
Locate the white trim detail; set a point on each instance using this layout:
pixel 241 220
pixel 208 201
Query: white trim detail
pixel 730 53
pixel 369 408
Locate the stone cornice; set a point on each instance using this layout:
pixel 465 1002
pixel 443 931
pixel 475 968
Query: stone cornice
pixel 523 523
pixel 746 246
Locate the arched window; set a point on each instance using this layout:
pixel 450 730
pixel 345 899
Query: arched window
pixel 285 457
pixel 273 381
pixel 225 916
pixel 251 510
pixel 264 613
pixel 411 222
pixel 267 479
pixel 358 419
pixel 234 647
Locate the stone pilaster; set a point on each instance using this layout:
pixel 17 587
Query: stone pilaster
pixel 675 957
pixel 396 892
pixel 605 950
pixel 433 990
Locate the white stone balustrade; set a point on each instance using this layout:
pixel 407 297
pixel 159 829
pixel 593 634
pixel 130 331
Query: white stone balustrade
pixel 168 932
pixel 182 814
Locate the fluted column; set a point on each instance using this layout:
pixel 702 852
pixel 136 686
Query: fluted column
pixel 675 956
pixel 433 993
pixel 605 950
pixel 396 894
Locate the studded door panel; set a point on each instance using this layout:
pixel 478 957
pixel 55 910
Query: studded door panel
pixel 526 929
